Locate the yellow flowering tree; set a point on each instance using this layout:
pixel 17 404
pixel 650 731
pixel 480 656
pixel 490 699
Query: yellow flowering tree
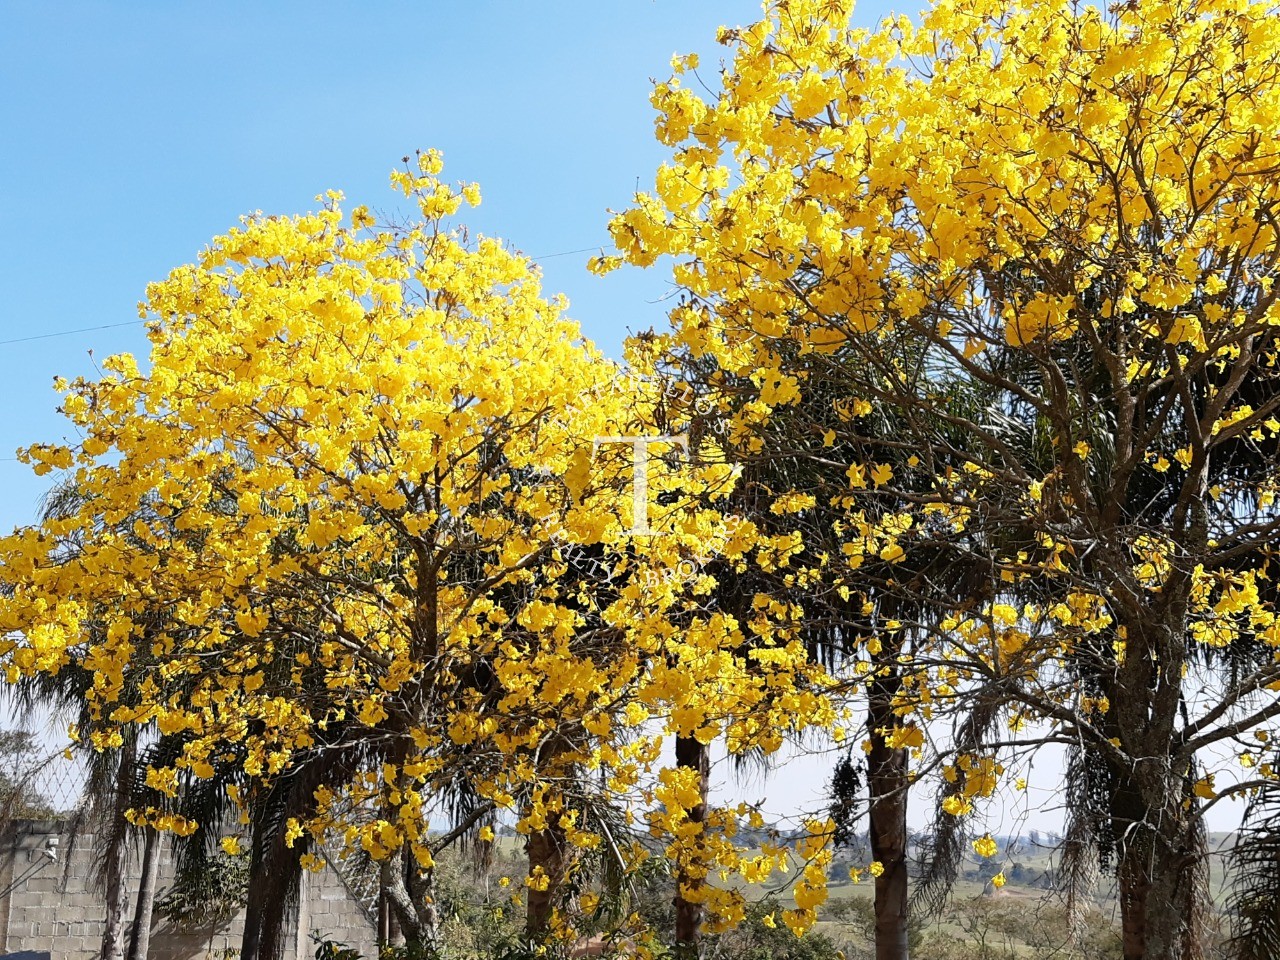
pixel 369 455
pixel 368 539
pixel 1071 210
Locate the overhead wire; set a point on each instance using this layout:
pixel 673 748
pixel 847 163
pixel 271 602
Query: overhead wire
pixel 131 323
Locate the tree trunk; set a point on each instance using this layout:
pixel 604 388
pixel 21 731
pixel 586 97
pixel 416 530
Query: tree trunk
pixel 113 932
pixel 1154 897
pixel 548 850
pixel 1154 816
pixel 140 937
pixel 1198 898
pixel 1134 886
pixel 389 933
pixel 117 853
pixel 280 917
pixel 1161 852
pixel 887 817
pixel 274 875
pixel 268 910
pixel 691 755
pixel 421 885
pixel 1171 925
pixel 418 920
pixel 251 937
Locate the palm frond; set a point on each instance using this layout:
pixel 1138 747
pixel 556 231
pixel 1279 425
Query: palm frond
pixel 1254 904
pixel 1079 857
pixel 944 848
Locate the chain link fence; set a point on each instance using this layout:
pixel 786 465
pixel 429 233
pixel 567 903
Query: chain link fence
pixel 45 786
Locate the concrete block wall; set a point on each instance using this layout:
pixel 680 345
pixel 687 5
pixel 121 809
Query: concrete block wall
pixel 328 910
pixel 53 905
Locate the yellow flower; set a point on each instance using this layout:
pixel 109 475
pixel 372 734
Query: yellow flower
pixel 985 846
pixel 231 846
pixel 360 217
pixel 876 868
pixel 799 921
pixel 998 880
pixel 537 880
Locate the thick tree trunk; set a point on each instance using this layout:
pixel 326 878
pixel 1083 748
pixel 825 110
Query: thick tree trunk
pixel 548 850
pixel 1156 908
pixel 389 932
pixel 268 913
pixel 1154 817
pixel 251 937
pixel 1133 888
pixel 691 755
pixel 1171 926
pixel 274 876
pixel 140 936
pixel 1160 871
pixel 888 814
pixel 417 920
pixel 1197 897
pixel 421 885
pixel 280 916
pixel 1165 924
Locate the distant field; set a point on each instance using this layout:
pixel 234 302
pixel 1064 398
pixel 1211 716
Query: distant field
pixel 1024 919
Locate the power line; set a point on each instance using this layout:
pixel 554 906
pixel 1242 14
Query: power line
pixel 67 333
pixel 567 253
pixel 131 323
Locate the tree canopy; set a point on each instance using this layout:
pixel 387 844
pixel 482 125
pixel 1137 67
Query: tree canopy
pixel 967 413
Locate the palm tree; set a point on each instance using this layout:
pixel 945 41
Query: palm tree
pixel 807 448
